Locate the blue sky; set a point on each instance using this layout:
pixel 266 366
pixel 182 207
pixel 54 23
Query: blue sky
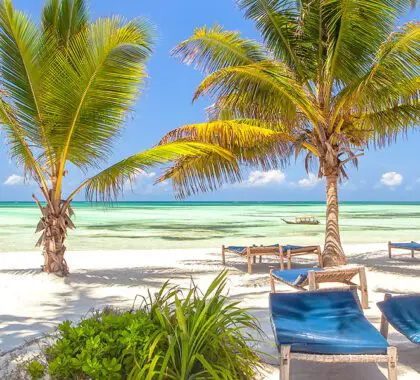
pixel 389 174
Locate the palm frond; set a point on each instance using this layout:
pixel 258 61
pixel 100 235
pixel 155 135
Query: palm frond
pixel 110 182
pixel 385 125
pixel 191 175
pixel 19 148
pixel 230 133
pixel 211 49
pixel 355 30
pixel 20 52
pixel 393 76
pixel 64 19
pixel 93 87
pixel 277 20
pixel 266 82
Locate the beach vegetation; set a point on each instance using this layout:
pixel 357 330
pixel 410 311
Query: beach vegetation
pixel 174 334
pixel 35 369
pixel 67 87
pixel 328 80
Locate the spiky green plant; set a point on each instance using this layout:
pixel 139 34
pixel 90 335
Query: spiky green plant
pixel 66 88
pixel 200 336
pixel 331 78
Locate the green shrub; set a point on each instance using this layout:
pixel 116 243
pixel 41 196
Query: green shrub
pixel 104 346
pixel 204 337
pixel 35 369
pixel 170 337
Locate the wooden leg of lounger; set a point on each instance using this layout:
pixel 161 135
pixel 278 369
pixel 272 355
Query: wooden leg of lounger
pixel 272 285
pixel 312 281
pixel 248 256
pixel 284 362
pixel 281 257
pixel 260 259
pixel 223 255
pixel 363 288
pixel 254 259
pixel 289 259
pixel 389 249
pixel 384 322
pixel 319 252
pixel 392 363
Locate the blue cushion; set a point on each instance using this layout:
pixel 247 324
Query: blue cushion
pixel 324 322
pixel 242 249
pixel 415 246
pixel 403 312
pixel 291 247
pixel 293 276
pixel 236 249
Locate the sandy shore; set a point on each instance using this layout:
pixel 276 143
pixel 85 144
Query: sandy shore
pixel 32 303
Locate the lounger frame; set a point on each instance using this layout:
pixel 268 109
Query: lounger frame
pixel 286 356
pixel 341 275
pixel 251 253
pixel 390 247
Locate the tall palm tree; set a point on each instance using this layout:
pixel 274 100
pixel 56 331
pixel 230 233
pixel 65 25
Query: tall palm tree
pixel 331 77
pixel 66 88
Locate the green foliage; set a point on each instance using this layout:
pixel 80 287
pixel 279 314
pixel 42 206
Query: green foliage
pixel 204 335
pixel 103 346
pixel 172 336
pixel 68 86
pixel 35 369
pixel 332 72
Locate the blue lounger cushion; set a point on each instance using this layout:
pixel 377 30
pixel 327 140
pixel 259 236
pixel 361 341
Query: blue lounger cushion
pixel 242 249
pixel 403 313
pixel 413 245
pixel 324 322
pixel 293 276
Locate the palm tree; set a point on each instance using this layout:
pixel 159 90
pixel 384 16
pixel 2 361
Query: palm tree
pixel 331 78
pixel 66 88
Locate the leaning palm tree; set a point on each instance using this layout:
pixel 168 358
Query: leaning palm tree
pixel 66 88
pixel 331 78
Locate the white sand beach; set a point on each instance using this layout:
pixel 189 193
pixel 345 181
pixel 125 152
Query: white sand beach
pixel 33 303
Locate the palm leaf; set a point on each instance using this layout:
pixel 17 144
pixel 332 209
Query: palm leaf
pixel 277 22
pixel 18 144
pixel 20 53
pixel 95 83
pixel 110 182
pixel 211 49
pixel 355 30
pixel 266 81
pixel 64 19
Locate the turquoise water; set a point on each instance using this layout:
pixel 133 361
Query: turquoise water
pixel 140 225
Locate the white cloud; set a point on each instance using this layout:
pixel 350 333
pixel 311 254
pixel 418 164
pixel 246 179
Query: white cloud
pixel 14 180
pixel 259 178
pixel 310 181
pixel 144 174
pixel 391 179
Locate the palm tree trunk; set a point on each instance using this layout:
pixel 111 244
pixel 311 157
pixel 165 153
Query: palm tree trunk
pixel 333 253
pixel 54 224
pixel 54 248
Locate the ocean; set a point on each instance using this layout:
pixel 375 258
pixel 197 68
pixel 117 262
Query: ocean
pixel 163 225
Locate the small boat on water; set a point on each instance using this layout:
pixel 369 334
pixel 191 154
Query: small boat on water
pixel 303 220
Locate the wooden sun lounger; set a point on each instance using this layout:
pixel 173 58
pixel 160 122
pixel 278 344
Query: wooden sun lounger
pixel 412 246
pixel 282 251
pixel 299 338
pixel 343 275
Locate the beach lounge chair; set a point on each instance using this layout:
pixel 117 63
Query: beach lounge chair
pixel 282 251
pixel 403 313
pixel 413 246
pixel 311 277
pixel 326 326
